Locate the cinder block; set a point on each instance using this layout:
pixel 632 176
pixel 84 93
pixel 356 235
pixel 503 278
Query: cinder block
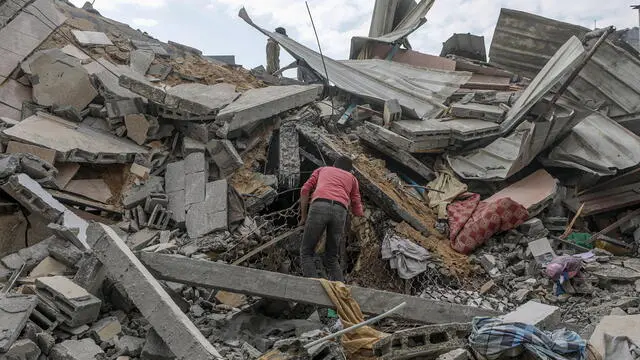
pixel 226 157
pixel 392 111
pixel 543 316
pixel 427 341
pixel 173 326
pixel 76 305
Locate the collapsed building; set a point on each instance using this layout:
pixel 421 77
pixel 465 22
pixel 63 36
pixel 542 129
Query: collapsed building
pixel 150 193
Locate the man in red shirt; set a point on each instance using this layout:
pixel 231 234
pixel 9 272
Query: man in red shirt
pixel 335 190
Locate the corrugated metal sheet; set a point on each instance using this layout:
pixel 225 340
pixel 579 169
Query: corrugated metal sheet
pixel 510 154
pixel 597 145
pixel 523 43
pixel 414 103
pixel 411 22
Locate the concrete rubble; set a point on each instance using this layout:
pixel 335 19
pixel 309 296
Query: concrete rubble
pixel 150 194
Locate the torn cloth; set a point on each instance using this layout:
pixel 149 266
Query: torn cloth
pixel 408 258
pixel 451 188
pixel 491 338
pixel 350 314
pixel 472 222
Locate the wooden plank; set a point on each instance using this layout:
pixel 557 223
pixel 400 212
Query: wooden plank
pixel 243 280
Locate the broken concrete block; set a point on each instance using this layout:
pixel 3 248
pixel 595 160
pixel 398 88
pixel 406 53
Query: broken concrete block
pixel 45 154
pixel 66 172
pixel 34 254
pixel 118 108
pixel 106 329
pixel 76 305
pixel 545 317
pixel 225 156
pixel 190 145
pixel 90 275
pixel 210 215
pixel 542 251
pixel 75 52
pixel 129 345
pixel 615 326
pixel 140 171
pixel 200 99
pixel 137 195
pixel 14 313
pixel 73 142
pixel 139 127
pixel 533 228
pixel 289 157
pixel 140 60
pixel 259 104
pixel 91 38
pixel 155 348
pixel 65 252
pixel 392 111
pixel 490 265
pixel 13 261
pixel 185 48
pixel 24 349
pixel 177 207
pixel 423 342
pixel 457 354
pixel 491 113
pixel 52 70
pixel 174 177
pixel 195 162
pixel 160 70
pixel 180 334
pixel 48 267
pixel 142 87
pixel 85 349
pixel 12 238
pixel 94 189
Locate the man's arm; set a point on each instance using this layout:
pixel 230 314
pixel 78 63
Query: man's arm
pixel 305 195
pixel 356 201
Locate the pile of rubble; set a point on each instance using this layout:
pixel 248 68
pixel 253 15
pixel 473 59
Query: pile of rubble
pixel 150 194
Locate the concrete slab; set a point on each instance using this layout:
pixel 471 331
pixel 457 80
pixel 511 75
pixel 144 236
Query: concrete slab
pixel 226 157
pixel 628 326
pixel 201 99
pixel 140 60
pixel 13 94
pixel 74 142
pixel 190 145
pixel 160 70
pixel 66 172
pixel 138 128
pixel 23 349
pixel 91 38
pixel 177 207
pixel 195 162
pixel 545 317
pixel 210 215
pixel 94 189
pixel 48 155
pixel 71 50
pixel 155 348
pixel 48 267
pixel 532 192
pixel 52 70
pixel 195 184
pixel 141 86
pixel 14 313
pixel 259 104
pixel 77 306
pixel 155 47
pixel 173 326
pixel 174 178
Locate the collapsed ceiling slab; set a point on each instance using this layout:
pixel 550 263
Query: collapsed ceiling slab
pixel 353 81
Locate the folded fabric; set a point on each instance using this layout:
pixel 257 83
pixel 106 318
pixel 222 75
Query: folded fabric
pixel 408 258
pixel 491 338
pixel 472 222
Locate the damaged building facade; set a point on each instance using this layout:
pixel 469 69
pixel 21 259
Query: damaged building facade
pixel 150 194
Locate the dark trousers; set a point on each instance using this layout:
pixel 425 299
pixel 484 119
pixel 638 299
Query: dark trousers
pixel 332 217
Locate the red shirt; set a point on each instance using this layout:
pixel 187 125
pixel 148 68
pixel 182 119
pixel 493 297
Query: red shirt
pixel 336 184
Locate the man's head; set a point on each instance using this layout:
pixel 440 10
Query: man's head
pixel 343 163
pixel 281 31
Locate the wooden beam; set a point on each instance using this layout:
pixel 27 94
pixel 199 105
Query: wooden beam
pixel 243 280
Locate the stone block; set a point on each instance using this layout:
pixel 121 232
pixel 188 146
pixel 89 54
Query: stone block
pixel 173 326
pixel 106 329
pixel 210 215
pixel 392 111
pixel 155 348
pixel 545 317
pixel 76 305
pixel 225 156
pixel 85 349
pixel 14 313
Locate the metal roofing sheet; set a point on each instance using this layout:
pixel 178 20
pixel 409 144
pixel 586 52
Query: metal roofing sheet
pixel 523 43
pixel 411 22
pixel 354 81
pixel 597 145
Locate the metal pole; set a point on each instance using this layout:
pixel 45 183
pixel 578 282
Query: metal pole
pixel 326 73
pixel 356 326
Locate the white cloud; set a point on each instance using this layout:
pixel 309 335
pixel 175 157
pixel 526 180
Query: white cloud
pixel 142 22
pixel 338 20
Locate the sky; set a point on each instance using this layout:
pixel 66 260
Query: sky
pixel 214 27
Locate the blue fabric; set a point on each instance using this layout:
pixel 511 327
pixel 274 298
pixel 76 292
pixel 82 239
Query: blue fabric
pixel 492 337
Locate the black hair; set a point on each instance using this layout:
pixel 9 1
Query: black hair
pixel 343 163
pixel 281 30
